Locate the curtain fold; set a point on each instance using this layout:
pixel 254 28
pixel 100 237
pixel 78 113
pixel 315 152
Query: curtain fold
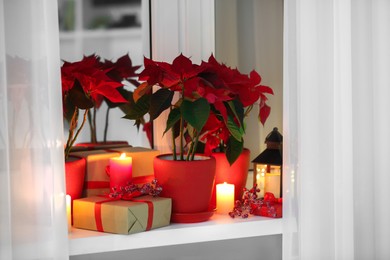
pixel 32 200
pixel 337 125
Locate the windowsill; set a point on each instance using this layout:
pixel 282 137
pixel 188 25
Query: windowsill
pixel 219 227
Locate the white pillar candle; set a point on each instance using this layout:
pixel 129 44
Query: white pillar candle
pixel 272 181
pixel 68 200
pixel 225 198
pixel 260 180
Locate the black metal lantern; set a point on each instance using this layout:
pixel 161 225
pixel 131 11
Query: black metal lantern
pixel 267 167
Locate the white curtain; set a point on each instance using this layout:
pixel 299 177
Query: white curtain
pixel 337 129
pixel 32 202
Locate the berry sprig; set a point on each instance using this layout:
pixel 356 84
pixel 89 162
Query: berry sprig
pixel 252 205
pixel 132 190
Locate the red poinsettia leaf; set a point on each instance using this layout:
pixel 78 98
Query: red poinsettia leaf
pixel 211 144
pixel 265 110
pixel 152 74
pixel 255 77
pixel 248 96
pixel 222 109
pixel 124 67
pixel 109 92
pixel 181 64
pixel 265 89
pixel 98 101
pixel 149 132
pixel 191 88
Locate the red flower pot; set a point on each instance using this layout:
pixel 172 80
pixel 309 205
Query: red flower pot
pixel 74 176
pixel 189 184
pixel 236 173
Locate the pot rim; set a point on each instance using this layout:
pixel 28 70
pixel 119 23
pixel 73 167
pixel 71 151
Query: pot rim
pixel 198 157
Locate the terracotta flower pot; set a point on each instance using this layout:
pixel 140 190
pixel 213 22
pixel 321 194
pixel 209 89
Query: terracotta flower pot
pixel 189 184
pixel 74 176
pixel 236 173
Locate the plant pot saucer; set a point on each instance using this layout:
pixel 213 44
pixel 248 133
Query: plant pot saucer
pixel 192 217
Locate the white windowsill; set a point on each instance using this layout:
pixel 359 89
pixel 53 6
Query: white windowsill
pixel 219 227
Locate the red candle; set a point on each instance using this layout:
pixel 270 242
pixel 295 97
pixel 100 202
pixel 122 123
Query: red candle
pixel 120 171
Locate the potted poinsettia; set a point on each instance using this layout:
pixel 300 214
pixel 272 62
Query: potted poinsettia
pixel 124 73
pixel 209 95
pixel 84 85
pixel 225 128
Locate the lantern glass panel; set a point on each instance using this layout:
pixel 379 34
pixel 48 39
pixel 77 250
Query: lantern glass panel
pixel 272 180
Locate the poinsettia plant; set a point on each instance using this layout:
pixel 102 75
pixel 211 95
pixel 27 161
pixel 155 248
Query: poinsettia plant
pixel 121 71
pixel 85 84
pixel 213 101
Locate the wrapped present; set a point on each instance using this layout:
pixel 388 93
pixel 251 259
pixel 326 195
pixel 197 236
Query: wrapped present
pixel 97 181
pixel 121 216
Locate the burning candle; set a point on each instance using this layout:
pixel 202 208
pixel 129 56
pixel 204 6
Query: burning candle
pixel 260 180
pixel 272 181
pixel 120 171
pixel 68 200
pixel 225 198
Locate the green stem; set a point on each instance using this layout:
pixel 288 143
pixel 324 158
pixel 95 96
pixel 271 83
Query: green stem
pixel 106 125
pixel 72 127
pixel 190 151
pixel 248 110
pixel 90 125
pixel 181 128
pixel 94 137
pixel 195 146
pixel 71 139
pixel 173 142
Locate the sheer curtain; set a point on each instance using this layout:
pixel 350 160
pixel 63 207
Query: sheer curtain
pixel 337 125
pixel 32 202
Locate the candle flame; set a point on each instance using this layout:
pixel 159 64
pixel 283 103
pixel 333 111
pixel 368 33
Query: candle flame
pixel 123 156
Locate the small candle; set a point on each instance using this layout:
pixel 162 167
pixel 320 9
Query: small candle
pixel 120 171
pixel 272 181
pixel 260 180
pixel 68 200
pixel 225 198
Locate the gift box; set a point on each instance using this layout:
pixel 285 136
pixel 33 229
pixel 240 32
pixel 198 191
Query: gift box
pixel 121 216
pixel 97 182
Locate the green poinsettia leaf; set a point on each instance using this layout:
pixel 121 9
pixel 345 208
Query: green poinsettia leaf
pixel 68 108
pixel 196 113
pixel 135 111
pixel 235 130
pixel 233 149
pixel 237 110
pixel 78 98
pixel 160 101
pixel 173 118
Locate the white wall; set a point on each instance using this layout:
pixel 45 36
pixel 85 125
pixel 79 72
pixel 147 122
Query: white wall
pixel 249 35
